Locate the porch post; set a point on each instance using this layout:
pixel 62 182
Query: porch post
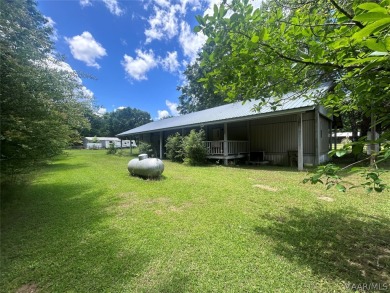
pixel 248 136
pixel 225 143
pixel 161 145
pixel 300 143
pixel 317 132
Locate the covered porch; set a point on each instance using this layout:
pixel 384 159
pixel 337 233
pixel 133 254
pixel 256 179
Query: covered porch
pixel 227 149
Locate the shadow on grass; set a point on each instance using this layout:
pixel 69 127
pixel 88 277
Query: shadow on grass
pixel 58 238
pixel 351 247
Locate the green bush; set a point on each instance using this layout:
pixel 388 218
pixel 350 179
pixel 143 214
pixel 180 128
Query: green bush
pixel 111 149
pixel 195 151
pixel 174 148
pixel 145 148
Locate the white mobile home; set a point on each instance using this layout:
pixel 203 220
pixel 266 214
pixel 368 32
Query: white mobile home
pixel 104 142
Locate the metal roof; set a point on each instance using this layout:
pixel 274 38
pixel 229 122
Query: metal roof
pixel 226 113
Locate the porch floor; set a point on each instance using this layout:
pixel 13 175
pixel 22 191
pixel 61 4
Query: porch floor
pixel 228 157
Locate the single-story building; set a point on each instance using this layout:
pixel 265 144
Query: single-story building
pixel 104 142
pixel 299 132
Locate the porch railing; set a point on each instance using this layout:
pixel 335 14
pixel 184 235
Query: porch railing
pixel 216 147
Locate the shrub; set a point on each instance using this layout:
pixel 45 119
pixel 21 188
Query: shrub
pixel 111 149
pixel 145 148
pixel 195 151
pixel 174 148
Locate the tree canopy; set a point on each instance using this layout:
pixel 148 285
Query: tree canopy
pixel 298 45
pixel 112 123
pixel 194 95
pixel 42 99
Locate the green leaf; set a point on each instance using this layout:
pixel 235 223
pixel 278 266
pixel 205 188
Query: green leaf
pixel 366 31
pixel 356 169
pixel 283 27
pixel 255 39
pixel 371 16
pixel 197 29
pixel 369 6
pixel 375 45
pixel 379 9
pixel 340 187
pixel 200 19
pixel 265 35
pixel 340 153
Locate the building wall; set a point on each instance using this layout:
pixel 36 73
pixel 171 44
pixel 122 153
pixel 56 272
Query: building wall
pixel 278 135
pixel 324 139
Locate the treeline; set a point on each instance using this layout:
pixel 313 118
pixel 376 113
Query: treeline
pixel 112 123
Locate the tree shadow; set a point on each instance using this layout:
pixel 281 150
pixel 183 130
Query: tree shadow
pixel 59 238
pixel 343 244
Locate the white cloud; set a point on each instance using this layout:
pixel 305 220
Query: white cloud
pixel 120 108
pixel 113 6
pixel 163 3
pixel 51 23
pixel 85 3
pixel 163 24
pixel 172 107
pixel 101 111
pixel 162 114
pixel 137 67
pixel 86 49
pixel 170 62
pixel 87 92
pixel 190 42
pixel 193 5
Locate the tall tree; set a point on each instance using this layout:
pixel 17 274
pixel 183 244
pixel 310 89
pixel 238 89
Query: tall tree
pixel 195 96
pixel 125 119
pixel 42 101
pixel 296 45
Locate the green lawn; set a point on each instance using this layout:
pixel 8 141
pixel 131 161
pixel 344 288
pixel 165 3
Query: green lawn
pixel 85 225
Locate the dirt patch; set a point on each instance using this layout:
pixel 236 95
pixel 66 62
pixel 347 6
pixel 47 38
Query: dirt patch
pixel 28 288
pixel 326 198
pixel 266 187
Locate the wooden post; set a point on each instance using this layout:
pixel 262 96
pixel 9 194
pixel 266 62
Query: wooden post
pixel 161 145
pixel 225 143
pixel 248 136
pixel 317 132
pixel 300 142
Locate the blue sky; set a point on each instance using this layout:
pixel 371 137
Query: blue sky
pixel 136 50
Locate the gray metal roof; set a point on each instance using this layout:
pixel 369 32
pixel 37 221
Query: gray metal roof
pixel 226 113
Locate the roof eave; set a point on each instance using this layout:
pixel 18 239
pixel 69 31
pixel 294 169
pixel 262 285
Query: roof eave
pixel 238 119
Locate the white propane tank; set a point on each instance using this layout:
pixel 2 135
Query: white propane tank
pixel 146 167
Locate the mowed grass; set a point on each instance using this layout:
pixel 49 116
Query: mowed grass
pixel 85 225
